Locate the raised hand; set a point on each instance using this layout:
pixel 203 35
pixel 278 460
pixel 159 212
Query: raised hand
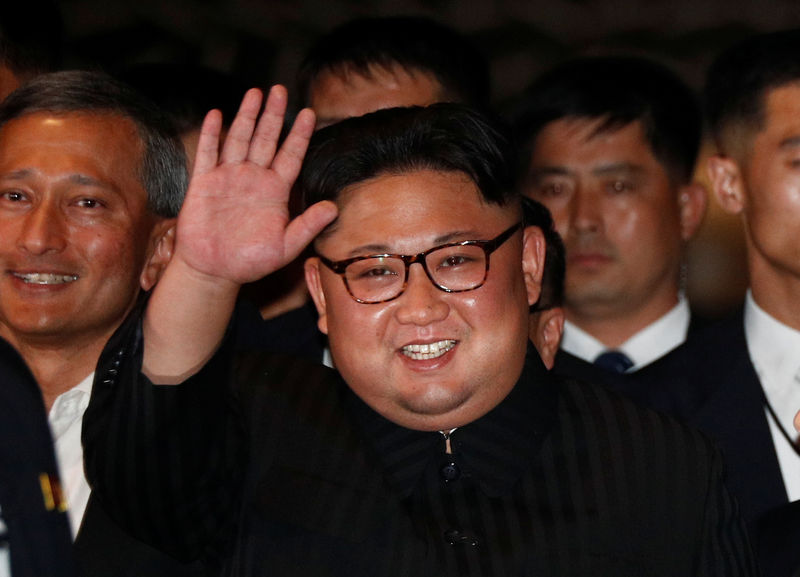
pixel 234 224
pixel 233 228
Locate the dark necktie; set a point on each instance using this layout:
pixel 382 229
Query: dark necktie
pixel 614 361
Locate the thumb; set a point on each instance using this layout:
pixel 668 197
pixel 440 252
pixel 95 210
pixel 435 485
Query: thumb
pixel 308 225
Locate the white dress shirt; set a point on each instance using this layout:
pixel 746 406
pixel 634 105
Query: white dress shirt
pixel 774 349
pixel 5 556
pixel 66 421
pixel 649 344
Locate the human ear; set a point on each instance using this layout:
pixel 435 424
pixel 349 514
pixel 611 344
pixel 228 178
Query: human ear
pixel 726 183
pixel 315 290
pixel 533 251
pixel 692 201
pixel 161 246
pixel 546 328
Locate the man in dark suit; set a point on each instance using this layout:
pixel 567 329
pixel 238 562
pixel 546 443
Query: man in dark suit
pixel 35 540
pixel 443 446
pixel 609 147
pixel 92 176
pixel 750 362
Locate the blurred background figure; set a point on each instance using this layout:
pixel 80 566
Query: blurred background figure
pixel 30 41
pixel 609 146
pixel 749 362
pixel 35 539
pixel 186 93
pixel 372 63
pixel 546 321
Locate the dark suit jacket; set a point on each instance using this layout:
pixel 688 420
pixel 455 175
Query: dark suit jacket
pixel 777 541
pixel 663 385
pixel 103 549
pixel 38 532
pixel 272 467
pixel 710 383
pixel 733 415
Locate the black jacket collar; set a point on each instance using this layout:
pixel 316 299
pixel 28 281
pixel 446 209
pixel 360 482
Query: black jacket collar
pixel 494 451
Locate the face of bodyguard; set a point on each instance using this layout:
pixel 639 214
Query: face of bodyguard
pixel 762 185
pixel 428 359
pixel 622 219
pixel 77 241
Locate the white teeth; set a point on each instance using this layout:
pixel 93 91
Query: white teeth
pixel 428 350
pixel 46 278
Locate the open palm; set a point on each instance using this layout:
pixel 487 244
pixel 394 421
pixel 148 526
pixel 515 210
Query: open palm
pixel 235 224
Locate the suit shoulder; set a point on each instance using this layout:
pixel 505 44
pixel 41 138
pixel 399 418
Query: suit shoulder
pixel 615 419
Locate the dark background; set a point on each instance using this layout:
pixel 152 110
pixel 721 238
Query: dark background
pixel 262 41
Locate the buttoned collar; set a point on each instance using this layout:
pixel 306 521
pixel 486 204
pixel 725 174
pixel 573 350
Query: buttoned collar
pixel 494 451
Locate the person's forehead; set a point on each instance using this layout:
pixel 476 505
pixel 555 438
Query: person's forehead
pixel 595 144
pixel 106 132
pixel 782 105
pixel 416 209
pixel 594 130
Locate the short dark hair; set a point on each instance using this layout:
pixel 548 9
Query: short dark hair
pixel 31 35
pixel 739 79
pixel 163 165
pixel 414 43
pixel 619 90
pixel 536 214
pixel 444 137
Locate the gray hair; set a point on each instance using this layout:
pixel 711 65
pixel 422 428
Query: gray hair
pixel 162 170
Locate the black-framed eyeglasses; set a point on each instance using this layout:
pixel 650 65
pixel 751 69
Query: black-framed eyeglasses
pixel 453 267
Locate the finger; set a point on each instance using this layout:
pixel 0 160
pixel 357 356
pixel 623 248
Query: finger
pixel 289 158
pixel 303 229
pixel 207 153
pixel 268 129
pixel 797 421
pixel 237 143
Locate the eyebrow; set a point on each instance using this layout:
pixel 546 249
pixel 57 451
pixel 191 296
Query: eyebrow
pixel 617 167
pixel 455 236
pixel 790 142
pixel 20 174
pixel 540 171
pixel 603 169
pixel 78 178
pixel 86 180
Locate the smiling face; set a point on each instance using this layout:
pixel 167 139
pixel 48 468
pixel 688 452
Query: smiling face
pixel 427 360
pixel 75 231
pixel 619 215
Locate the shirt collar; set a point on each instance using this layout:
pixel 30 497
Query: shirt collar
pixel 773 348
pixel 69 406
pixel 495 450
pixel 649 344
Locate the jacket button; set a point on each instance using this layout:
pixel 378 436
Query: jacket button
pixel 458 537
pixel 450 472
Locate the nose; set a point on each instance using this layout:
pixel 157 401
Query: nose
pixel 421 303
pixel 42 230
pixel 585 211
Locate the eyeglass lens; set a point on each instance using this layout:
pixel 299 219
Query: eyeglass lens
pixel 453 268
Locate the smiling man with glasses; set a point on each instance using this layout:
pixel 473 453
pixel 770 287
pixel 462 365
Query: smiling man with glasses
pixel 442 446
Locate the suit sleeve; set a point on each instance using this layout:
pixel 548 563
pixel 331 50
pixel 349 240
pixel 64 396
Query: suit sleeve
pixel 165 461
